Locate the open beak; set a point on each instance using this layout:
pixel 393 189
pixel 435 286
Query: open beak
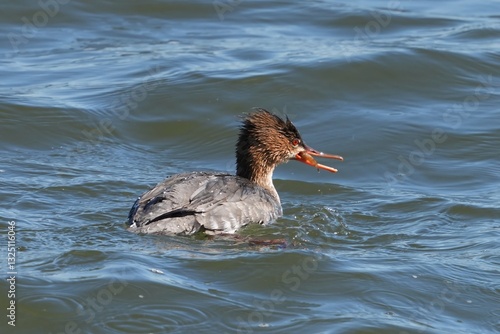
pixel 306 157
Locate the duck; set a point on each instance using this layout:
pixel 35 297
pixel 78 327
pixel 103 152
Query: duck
pixel 222 203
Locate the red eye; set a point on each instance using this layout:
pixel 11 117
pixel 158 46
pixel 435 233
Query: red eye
pixel 296 142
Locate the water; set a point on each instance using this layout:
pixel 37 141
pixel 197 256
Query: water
pixel 101 100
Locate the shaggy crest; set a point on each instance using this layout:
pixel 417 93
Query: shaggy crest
pixel 265 140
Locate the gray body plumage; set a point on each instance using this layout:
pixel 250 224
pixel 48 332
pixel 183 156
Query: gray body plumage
pixel 211 202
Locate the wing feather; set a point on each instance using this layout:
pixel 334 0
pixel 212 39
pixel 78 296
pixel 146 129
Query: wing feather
pixel 185 203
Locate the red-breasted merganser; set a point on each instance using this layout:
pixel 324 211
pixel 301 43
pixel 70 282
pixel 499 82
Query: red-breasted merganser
pixel 222 203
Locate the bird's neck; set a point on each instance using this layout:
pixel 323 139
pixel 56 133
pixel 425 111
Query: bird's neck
pixel 256 170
